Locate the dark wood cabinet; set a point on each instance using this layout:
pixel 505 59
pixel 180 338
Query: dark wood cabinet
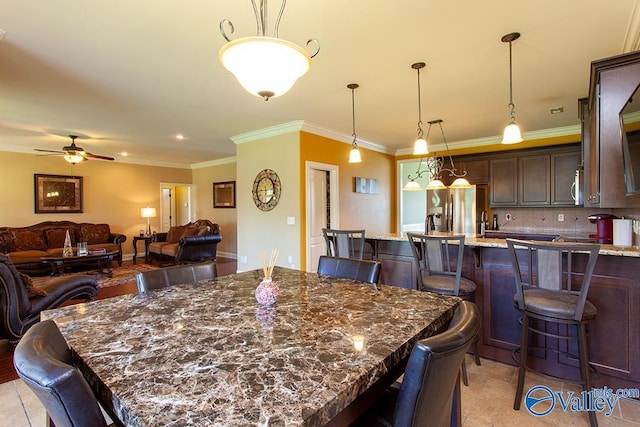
pixel 563 174
pixel 398 268
pixel 533 180
pixel 503 189
pixel 477 171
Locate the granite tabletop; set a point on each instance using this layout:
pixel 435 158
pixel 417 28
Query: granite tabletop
pixel 206 354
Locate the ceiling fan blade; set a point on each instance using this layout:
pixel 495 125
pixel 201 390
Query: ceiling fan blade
pixel 49 151
pixel 52 154
pixel 96 156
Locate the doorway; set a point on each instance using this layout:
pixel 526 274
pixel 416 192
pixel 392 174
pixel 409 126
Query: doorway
pixel 322 210
pixel 176 206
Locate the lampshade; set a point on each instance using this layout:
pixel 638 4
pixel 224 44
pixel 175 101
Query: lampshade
pixel 512 134
pixel 354 156
pixel 412 185
pixel 460 183
pixel 265 66
pixel 148 212
pixel 436 183
pixel 420 147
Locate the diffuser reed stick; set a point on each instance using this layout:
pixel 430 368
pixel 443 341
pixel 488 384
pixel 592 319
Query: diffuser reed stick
pixel 267 269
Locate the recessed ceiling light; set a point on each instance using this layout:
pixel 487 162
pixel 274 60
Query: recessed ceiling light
pixel 124 154
pixel 180 136
pixel 556 110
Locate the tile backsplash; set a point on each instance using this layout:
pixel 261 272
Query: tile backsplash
pixel 546 220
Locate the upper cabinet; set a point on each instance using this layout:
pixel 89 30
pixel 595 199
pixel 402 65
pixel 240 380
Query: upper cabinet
pixel 609 120
pixel 534 178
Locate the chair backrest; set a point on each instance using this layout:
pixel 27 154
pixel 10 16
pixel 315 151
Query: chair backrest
pixel 175 275
pixel 431 375
pixel 432 256
pixel 344 243
pixel 14 301
pixel 347 268
pixel 43 360
pixel 553 266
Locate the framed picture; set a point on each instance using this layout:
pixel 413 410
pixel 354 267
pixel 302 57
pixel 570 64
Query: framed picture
pixel 224 194
pixel 365 185
pixel 57 193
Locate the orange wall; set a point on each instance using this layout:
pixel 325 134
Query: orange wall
pixel 375 213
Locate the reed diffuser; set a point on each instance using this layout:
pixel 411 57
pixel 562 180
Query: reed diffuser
pixel 267 291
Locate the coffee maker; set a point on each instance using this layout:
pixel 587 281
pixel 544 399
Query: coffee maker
pixel 604 227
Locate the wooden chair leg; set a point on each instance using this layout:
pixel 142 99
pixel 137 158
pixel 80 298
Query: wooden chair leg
pixel 465 379
pixel 522 368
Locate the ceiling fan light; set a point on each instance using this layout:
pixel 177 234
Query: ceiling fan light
pixel 265 66
pixel 512 134
pixel 412 185
pixel 420 147
pixel 74 158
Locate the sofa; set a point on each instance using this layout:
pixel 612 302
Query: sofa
pixel 193 242
pixel 25 246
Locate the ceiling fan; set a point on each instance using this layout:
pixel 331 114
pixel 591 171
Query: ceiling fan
pixel 74 154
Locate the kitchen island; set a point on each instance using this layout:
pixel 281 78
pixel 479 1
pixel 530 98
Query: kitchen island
pixel 614 341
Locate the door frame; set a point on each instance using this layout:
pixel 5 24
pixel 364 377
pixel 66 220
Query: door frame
pixel 334 199
pixel 190 192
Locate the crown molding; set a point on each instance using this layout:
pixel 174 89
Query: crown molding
pixel 216 162
pixel 496 140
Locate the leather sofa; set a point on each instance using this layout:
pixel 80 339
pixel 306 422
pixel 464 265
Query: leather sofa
pixel 25 246
pixel 21 303
pixel 193 242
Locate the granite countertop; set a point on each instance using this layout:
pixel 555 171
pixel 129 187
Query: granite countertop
pixel 206 354
pixel 478 240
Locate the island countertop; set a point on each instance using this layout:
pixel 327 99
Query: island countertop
pixel 478 240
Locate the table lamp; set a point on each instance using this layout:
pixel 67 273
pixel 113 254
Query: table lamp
pixel 148 213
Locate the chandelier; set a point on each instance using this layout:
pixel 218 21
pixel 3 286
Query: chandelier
pixel 512 131
pixel 435 167
pixel 265 66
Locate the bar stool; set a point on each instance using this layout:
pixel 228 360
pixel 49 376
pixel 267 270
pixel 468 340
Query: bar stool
pixel 344 243
pixel 440 273
pixel 552 281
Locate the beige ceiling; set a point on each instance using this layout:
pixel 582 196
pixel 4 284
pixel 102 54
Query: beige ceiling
pixel 128 75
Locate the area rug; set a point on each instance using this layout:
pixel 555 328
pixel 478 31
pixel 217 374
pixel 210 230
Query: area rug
pixel 120 275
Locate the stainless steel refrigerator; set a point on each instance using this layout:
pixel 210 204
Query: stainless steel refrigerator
pixel 452 209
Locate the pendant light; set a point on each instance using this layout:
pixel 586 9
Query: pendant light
pixel 354 155
pixel 512 131
pixel 265 66
pixel 420 146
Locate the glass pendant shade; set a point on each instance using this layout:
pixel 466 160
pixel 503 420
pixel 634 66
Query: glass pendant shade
pixel 460 183
pixel 412 185
pixel 436 183
pixel 420 147
pixel 265 66
pixel 512 134
pixel 73 158
pixel 354 156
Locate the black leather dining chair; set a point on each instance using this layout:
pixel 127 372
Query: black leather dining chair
pixel 552 281
pixel 441 273
pixel 43 360
pixel 429 394
pixel 354 269
pixel 175 275
pixel 344 243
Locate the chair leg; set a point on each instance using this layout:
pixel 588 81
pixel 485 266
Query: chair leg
pixel 583 352
pixel 476 355
pixel 522 368
pixel 465 379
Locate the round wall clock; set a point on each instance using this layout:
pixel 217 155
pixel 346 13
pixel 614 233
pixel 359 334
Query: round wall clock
pixel 266 190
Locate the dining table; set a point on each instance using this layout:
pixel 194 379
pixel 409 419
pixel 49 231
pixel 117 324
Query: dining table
pixel 207 354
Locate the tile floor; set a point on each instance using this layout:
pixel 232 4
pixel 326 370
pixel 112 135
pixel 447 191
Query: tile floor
pixel 486 402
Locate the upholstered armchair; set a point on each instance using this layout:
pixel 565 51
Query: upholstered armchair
pixel 21 304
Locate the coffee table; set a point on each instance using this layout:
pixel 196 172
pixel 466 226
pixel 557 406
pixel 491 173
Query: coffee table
pixel 103 259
